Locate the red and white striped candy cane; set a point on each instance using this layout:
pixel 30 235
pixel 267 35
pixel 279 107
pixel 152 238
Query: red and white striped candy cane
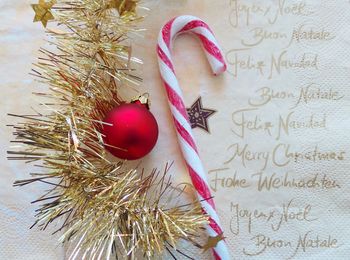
pixel 191 24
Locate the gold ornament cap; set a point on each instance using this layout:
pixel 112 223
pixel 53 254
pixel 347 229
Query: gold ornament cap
pixel 142 99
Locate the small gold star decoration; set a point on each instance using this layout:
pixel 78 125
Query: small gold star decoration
pixel 124 6
pixel 43 12
pixel 213 241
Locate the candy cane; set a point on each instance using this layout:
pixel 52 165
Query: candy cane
pixel 191 24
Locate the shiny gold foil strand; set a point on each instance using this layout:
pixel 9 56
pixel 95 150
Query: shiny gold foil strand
pixel 106 208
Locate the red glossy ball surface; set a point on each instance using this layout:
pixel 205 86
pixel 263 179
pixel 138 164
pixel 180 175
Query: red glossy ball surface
pixel 131 131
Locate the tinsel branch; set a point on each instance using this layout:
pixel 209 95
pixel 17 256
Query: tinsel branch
pixel 105 207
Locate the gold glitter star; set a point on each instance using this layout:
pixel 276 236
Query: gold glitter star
pixel 213 241
pixel 124 6
pixel 43 11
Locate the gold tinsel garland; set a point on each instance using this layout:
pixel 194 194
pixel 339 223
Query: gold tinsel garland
pixel 107 208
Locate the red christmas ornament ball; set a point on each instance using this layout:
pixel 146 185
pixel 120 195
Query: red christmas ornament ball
pixel 131 131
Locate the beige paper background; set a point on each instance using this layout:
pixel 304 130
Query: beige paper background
pixel 228 93
pixel 20 40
